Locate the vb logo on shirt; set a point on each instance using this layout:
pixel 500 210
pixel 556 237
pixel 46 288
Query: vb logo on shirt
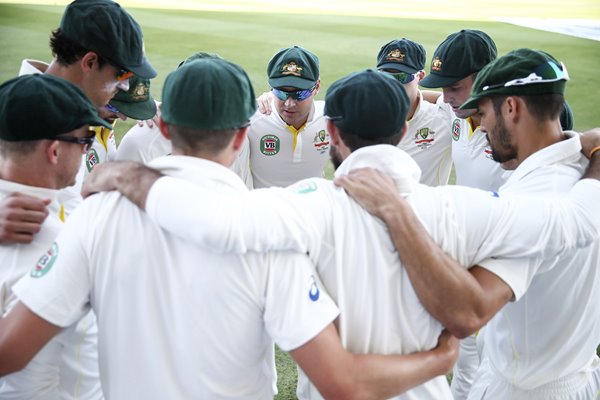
pixel 456 129
pixel 91 159
pixel 45 262
pixel 269 145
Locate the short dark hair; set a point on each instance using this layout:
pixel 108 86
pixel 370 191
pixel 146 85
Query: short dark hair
pixel 541 106
pixel 67 51
pixel 355 142
pixel 17 149
pixel 205 140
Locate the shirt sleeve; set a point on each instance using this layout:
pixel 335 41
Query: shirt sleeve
pixel 520 227
pixel 57 288
pixel 297 308
pixel 237 222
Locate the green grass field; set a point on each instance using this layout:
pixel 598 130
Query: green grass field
pixel 346 35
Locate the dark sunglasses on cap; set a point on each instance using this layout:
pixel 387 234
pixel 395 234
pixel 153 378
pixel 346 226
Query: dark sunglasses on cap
pixel 86 141
pixel 122 73
pixel 402 77
pixel 298 95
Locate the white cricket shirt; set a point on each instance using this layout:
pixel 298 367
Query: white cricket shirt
pixel 176 321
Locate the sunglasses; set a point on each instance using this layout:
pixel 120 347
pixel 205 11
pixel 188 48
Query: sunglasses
pixel 543 73
pixel 86 141
pixel 111 108
pixel 298 95
pixel 402 77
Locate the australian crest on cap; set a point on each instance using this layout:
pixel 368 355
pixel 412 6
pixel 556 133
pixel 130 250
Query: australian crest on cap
pixel 436 64
pixel 291 68
pixel 396 55
pixel 140 92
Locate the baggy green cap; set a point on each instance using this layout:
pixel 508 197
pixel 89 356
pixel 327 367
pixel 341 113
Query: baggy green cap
pixel 293 67
pixel 137 102
pixel 197 56
pixel 460 55
pixel 519 72
pixel 104 27
pixel 403 55
pixel 369 104
pixel 209 93
pixel 41 106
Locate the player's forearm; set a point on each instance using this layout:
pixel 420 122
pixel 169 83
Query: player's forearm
pixel 382 377
pixel 593 170
pixel 445 288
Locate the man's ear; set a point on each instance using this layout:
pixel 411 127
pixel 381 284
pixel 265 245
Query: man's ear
pixel 240 138
pixel 164 128
pixel 53 151
pixel 334 133
pixel 512 109
pixel 88 60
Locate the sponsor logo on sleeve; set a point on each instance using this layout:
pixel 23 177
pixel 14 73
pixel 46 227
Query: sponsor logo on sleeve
pixel 91 159
pixel 45 262
pixel 304 187
pixel 456 129
pixel 313 291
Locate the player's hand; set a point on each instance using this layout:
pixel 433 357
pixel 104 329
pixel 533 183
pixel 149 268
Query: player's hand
pixel 448 346
pixel 264 103
pixel 154 120
pixel 21 217
pixel 372 189
pixel 589 140
pixel 104 177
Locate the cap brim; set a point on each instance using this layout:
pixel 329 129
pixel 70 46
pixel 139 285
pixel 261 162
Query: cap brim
pixel 434 81
pixel 291 81
pixel 471 104
pixel 399 67
pixel 140 111
pixel 144 70
pixel 97 121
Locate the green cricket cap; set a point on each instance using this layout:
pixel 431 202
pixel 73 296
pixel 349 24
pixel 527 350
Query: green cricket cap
pixel 104 27
pixel 369 104
pixel 41 106
pixel 197 56
pixel 293 67
pixel 209 93
pixel 460 55
pixel 519 72
pixel 402 55
pixel 137 102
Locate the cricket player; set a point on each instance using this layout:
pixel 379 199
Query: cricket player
pixel 171 330
pixel 292 143
pixel 428 138
pixel 379 312
pixel 542 343
pixel 43 133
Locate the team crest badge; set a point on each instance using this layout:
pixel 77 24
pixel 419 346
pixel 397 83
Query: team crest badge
pixel 396 55
pixel 424 138
pixel 291 68
pixel 140 92
pixel 321 141
pixel 436 64
pixel 456 129
pixel 269 145
pixel 91 159
pixel 45 262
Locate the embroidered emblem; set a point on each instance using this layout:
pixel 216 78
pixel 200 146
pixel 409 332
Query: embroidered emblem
pixel 313 291
pixel 396 55
pixel 436 64
pixel 269 145
pixel 424 138
pixel 291 69
pixel 45 262
pixel 140 92
pixel 321 141
pixel 91 159
pixel 456 129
